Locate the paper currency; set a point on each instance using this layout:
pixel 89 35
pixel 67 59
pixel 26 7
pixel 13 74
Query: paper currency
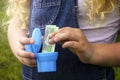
pixel 46 46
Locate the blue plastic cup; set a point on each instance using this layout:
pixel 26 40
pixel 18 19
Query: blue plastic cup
pixel 46 61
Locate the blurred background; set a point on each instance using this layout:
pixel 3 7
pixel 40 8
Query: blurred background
pixel 10 67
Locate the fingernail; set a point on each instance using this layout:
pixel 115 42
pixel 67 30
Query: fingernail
pixel 50 41
pixel 33 55
pixel 50 35
pixel 31 40
pixel 55 39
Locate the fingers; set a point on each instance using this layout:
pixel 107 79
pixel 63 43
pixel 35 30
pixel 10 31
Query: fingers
pixel 64 34
pixel 22 53
pixel 60 37
pixel 70 44
pixel 28 61
pixel 27 58
pixel 24 41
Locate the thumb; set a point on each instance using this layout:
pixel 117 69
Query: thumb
pixel 25 40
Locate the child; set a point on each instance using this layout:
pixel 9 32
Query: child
pixel 85 40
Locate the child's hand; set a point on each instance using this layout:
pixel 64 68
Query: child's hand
pixel 27 58
pixel 75 40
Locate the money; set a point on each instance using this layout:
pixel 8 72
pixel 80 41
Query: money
pixel 46 46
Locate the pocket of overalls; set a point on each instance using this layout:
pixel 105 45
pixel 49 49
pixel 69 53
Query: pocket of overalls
pixel 44 12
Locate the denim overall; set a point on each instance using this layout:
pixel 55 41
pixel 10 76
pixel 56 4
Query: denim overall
pixel 62 13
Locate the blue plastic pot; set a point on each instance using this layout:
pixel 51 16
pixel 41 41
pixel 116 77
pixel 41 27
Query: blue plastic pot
pixel 46 61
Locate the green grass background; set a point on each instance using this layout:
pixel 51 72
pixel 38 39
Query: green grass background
pixel 10 67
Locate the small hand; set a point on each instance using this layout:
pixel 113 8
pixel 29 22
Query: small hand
pixel 27 58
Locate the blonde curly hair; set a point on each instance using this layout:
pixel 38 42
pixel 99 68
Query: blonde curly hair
pixel 100 8
pixel 95 8
pixel 19 8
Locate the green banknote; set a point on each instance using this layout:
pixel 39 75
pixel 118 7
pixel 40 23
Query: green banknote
pixel 46 46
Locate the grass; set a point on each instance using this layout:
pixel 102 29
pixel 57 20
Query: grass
pixel 117 69
pixel 10 67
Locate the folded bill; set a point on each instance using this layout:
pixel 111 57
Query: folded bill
pixel 46 46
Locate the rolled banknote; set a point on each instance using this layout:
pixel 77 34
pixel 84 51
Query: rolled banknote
pixel 46 46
